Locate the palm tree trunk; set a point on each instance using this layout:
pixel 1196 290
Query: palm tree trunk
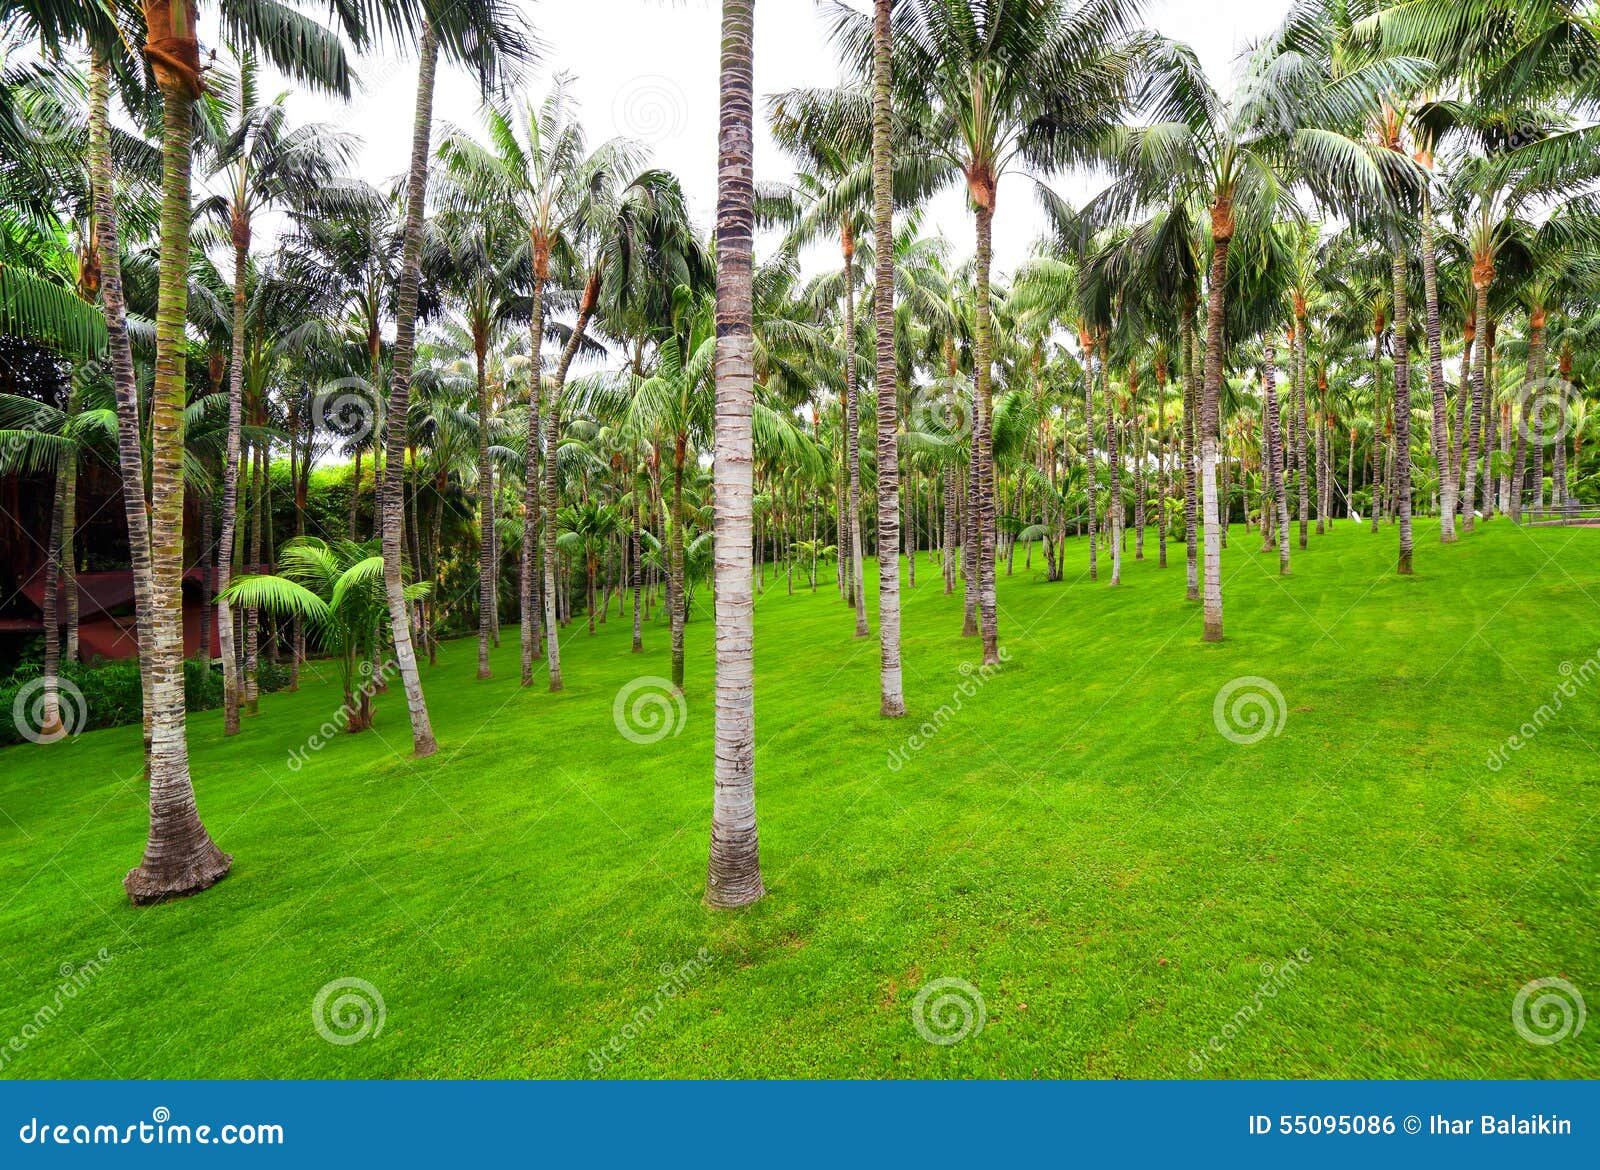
pixel 1278 496
pixel 677 603
pixel 1470 467
pixel 1441 453
pixel 1302 472
pixel 130 447
pixel 486 563
pixel 1402 410
pixel 389 502
pixel 1114 503
pixel 1222 236
pixel 951 533
pixel 733 875
pixel 983 437
pixel 1533 377
pixel 252 614
pixel 1191 416
pixel 69 527
pixel 232 680
pixel 179 856
pixel 852 443
pixel 50 726
pixel 552 477
pixel 892 702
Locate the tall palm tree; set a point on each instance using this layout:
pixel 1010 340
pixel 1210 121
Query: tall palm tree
pixel 993 89
pixel 488 36
pixel 262 164
pixel 733 875
pixel 539 169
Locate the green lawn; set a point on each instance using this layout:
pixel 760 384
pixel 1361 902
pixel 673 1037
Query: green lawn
pixel 1078 841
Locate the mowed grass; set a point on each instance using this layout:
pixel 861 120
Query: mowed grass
pixel 1074 838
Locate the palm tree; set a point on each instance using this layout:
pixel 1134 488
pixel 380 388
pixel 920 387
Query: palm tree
pixel 337 586
pixel 539 170
pixel 733 875
pixel 263 165
pixel 991 89
pixel 486 35
pixel 1235 158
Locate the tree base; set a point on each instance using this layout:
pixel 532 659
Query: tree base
pixel 425 748
pixel 1213 632
pixel 147 886
pixel 892 708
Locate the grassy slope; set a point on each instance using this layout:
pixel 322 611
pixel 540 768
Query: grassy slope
pixel 1078 841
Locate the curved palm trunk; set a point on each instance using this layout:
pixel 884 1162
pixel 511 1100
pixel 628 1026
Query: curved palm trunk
pixel 179 856
pixel 1222 236
pixel 852 441
pixel 1402 410
pixel 1441 453
pixel 983 438
pixel 890 689
pixel 130 451
pixel 733 875
pixel 392 483
pixel 530 481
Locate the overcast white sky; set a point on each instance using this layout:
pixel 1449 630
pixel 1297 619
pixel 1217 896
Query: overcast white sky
pixel 648 69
